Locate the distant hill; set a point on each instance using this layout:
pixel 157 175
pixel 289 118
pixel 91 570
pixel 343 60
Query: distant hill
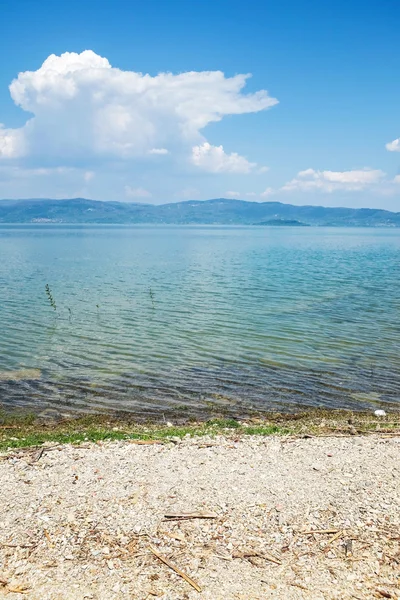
pixel 283 222
pixel 219 212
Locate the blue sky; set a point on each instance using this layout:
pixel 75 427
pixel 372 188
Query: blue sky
pixel 90 122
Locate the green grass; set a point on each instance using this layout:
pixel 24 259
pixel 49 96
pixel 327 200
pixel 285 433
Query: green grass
pixel 25 430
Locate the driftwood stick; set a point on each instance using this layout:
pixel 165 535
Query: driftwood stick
pixel 174 568
pixel 318 531
pixel 194 515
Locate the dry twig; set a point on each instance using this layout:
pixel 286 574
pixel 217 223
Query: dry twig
pixel 174 568
pixel 383 593
pixel 145 442
pixel 335 537
pixel 253 554
pixel 19 589
pixel 194 515
pixel 318 531
pixel 302 587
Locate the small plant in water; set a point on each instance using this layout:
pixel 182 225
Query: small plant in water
pixel 151 293
pixel 50 296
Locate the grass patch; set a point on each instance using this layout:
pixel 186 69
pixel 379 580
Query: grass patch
pixel 224 423
pixel 268 430
pixel 25 430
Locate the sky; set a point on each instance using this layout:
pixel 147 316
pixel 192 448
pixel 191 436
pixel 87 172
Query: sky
pixel 156 101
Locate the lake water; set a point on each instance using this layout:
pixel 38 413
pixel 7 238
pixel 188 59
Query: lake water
pixel 198 319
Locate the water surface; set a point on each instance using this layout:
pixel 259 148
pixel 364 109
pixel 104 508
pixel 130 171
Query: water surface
pixel 151 319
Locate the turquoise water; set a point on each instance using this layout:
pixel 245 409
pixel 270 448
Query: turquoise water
pixel 197 319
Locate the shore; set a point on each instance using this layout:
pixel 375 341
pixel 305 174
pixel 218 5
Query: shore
pixel 21 429
pixel 90 520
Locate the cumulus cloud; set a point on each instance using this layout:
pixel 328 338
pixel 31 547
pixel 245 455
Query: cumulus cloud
pixel 267 192
pixel 83 108
pixel 12 142
pixel 139 192
pixel 331 181
pixel 393 146
pixel 232 194
pixel 214 159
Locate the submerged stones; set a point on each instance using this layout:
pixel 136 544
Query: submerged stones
pixel 20 374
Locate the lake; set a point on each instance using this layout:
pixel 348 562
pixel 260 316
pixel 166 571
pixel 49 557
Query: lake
pixel 162 320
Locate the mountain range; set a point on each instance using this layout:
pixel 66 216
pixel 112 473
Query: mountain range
pixel 219 211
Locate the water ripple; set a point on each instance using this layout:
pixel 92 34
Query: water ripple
pixel 249 319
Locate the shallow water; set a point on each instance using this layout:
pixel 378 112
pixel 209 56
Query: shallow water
pixel 151 319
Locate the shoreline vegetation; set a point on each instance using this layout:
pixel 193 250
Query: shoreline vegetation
pixel 23 430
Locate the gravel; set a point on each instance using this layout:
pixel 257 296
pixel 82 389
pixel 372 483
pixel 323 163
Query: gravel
pixel 78 522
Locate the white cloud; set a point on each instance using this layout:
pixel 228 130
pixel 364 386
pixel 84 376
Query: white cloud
pixel 12 142
pixel 331 181
pixel 83 108
pixel 158 151
pixel 263 169
pixel 250 194
pixel 139 192
pixel 16 172
pixel 232 194
pixel 88 176
pixel 215 160
pixel 396 179
pixel 393 146
pixel 267 192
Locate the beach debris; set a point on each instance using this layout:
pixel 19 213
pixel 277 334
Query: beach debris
pixel 380 413
pixel 348 547
pixel 383 593
pixel 193 515
pixel 36 456
pixel 335 537
pixel 169 564
pixel 249 554
pixel 145 442
pixel 312 531
pixel 299 585
pixel 18 589
pixel 48 538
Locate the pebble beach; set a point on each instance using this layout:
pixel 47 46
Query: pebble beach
pixel 212 518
